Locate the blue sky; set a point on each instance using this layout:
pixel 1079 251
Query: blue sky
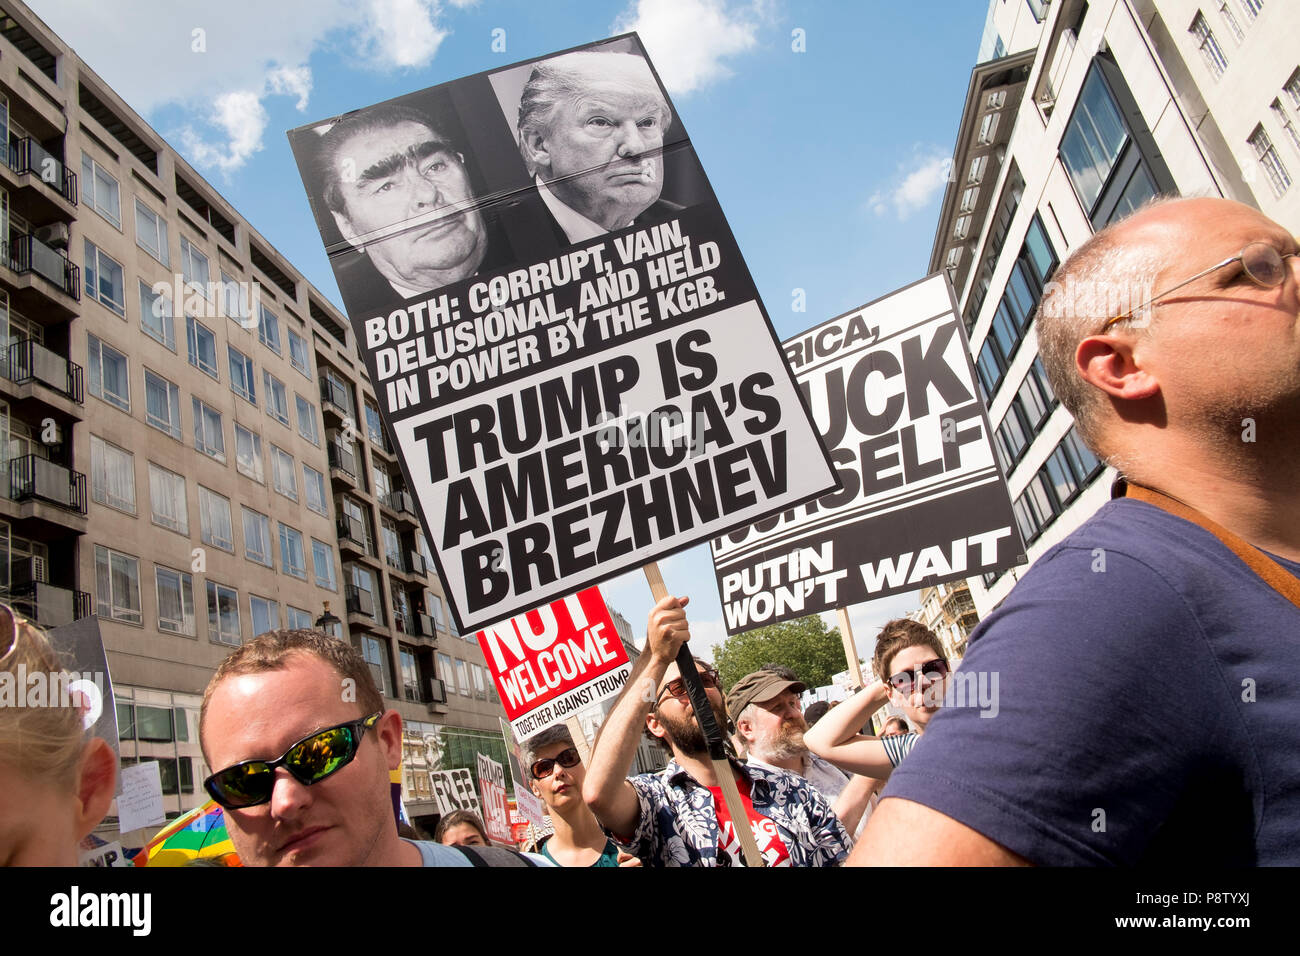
pixel 829 163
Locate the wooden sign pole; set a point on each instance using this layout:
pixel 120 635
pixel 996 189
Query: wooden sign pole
pixel 850 649
pixel 579 739
pixel 712 733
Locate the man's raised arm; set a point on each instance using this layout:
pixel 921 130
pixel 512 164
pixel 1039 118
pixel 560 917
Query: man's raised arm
pixel 606 788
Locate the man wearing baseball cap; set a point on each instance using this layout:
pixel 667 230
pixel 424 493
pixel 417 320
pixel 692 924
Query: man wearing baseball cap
pixel 769 718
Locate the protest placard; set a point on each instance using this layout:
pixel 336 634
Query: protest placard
pixel 922 499
pixel 140 803
pixel 554 661
pixel 454 790
pixel 492 785
pixel 566 344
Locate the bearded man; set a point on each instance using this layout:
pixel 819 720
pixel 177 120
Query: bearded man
pixel 769 719
pixel 677 817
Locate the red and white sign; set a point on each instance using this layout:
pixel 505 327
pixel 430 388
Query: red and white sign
pixel 492 784
pixel 554 661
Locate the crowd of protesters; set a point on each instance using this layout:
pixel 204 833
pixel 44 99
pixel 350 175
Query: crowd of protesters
pixel 1189 594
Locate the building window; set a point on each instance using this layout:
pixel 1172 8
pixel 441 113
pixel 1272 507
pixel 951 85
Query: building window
pixel 1093 140
pixel 214 520
pixel 156 316
pixel 242 375
pixel 480 686
pixel 99 191
pixel 445 672
pixel 167 499
pixel 375 651
pixel 162 404
pixel 104 281
pixel 307 426
pixel 151 232
pixel 108 375
pixel 117 578
pixel 1230 20
pixel 265 613
pixel 410 673
pixel 233 302
pixel 1284 120
pixel 969 198
pixel 298 618
pixel 202 346
pixel 257 536
pixel 194 267
pixel 1039 9
pixel 282 473
pixel 1208 45
pixel 292 560
pixel 374 426
pixel 299 357
pixel 175 601
pixel 1278 177
pixel 248 454
pixel 277 400
pixel 1292 90
pixel 112 475
pixel 314 489
pixel 1067 471
pixel 322 560
pixel 462 679
pixel 268 329
pixel 1252 8
pixel 223 614
pixel 208 435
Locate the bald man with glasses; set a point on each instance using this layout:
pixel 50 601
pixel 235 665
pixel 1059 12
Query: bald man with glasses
pixel 1180 597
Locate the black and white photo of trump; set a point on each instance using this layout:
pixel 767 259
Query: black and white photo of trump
pixel 591 132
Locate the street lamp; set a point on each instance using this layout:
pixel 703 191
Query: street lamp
pixel 327 620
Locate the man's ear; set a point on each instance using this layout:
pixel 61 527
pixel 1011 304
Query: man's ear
pixel 654 726
pixel 96 775
pixel 345 227
pixel 389 731
pixel 1108 362
pixel 537 157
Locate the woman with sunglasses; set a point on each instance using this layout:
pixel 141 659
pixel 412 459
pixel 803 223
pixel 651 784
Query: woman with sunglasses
pixel 55 784
pixel 556 773
pixel 913 666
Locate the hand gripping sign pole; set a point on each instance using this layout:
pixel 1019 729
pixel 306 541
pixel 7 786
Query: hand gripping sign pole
pixel 712 733
pixel 850 649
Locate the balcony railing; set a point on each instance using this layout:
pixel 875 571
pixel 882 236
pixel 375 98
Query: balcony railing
pixel 417 564
pixel 395 561
pixel 401 502
pixel 29 156
pixel 33 477
pixel 49 605
pixel 342 459
pixel 353 533
pixel 359 601
pixel 28 254
pixel 414 624
pixel 335 396
pixel 437 691
pixel 29 361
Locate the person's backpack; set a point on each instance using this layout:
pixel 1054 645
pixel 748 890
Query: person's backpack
pixel 494 856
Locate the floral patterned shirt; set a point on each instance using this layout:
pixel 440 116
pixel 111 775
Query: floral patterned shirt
pixel 678 825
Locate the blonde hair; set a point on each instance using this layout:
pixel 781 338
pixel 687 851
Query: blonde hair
pixel 41 742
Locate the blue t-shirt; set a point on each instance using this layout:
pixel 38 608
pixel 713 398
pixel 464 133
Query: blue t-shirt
pixel 435 854
pixel 1148 706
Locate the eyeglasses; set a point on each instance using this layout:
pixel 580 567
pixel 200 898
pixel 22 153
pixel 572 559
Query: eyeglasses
pixel 310 761
pixel 1261 262
pixel 677 686
pixel 903 681
pixel 565 758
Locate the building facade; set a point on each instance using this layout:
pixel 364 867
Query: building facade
pixel 1077 113
pixel 192 448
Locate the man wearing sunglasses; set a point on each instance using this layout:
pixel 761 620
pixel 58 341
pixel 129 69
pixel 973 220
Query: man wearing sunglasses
pixel 677 817
pixel 556 776
pixel 911 662
pixel 302 746
pixel 1173 338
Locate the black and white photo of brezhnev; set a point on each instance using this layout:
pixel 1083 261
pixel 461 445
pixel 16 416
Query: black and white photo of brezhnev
pixel 403 195
pixel 592 127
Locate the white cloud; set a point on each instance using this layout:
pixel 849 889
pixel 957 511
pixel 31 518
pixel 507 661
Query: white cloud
pixel 915 184
pixel 401 33
pixel 221 62
pixel 688 39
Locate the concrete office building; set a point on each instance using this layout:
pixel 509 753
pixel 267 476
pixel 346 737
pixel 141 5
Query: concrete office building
pixel 191 446
pixel 1076 113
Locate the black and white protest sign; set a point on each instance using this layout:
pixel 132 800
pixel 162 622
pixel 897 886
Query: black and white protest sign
pixel 921 499
pixel 561 332
pixel 454 790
